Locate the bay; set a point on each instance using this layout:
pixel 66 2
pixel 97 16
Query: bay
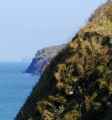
pixel 15 87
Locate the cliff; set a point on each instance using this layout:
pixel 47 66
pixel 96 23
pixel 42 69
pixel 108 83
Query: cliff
pixel 43 58
pixel 77 84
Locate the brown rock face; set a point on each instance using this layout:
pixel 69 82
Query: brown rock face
pixel 77 85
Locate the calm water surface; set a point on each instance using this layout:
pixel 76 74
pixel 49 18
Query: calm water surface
pixel 15 86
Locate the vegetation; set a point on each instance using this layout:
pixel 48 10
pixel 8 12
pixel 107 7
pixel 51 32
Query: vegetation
pixel 77 85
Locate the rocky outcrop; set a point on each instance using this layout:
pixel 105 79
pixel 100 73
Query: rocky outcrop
pixel 77 84
pixel 43 58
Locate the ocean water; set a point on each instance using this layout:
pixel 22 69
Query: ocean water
pixel 15 86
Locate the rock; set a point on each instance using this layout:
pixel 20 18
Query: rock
pixel 43 58
pixel 84 67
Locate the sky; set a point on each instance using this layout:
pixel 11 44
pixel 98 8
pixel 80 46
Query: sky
pixel 29 25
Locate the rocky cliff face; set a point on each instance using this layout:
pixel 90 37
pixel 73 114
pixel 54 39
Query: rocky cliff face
pixel 77 84
pixel 43 58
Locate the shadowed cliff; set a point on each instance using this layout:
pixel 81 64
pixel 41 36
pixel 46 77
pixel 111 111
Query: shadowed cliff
pixel 42 59
pixel 77 84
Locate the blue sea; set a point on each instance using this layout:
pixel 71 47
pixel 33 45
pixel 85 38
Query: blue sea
pixel 15 86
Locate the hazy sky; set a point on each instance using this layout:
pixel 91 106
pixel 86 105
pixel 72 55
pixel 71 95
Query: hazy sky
pixel 28 25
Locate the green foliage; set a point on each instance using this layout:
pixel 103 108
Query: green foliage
pixel 77 85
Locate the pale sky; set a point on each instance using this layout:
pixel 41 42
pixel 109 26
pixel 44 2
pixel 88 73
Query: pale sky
pixel 28 25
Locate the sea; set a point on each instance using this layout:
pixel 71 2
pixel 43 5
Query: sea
pixel 15 87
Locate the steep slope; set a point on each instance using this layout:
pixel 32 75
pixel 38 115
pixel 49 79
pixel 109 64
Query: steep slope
pixel 43 58
pixel 77 84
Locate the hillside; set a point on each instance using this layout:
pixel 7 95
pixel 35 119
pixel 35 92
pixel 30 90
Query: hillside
pixel 77 84
pixel 42 59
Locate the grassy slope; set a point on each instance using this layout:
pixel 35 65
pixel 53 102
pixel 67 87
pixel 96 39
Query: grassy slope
pixel 77 85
